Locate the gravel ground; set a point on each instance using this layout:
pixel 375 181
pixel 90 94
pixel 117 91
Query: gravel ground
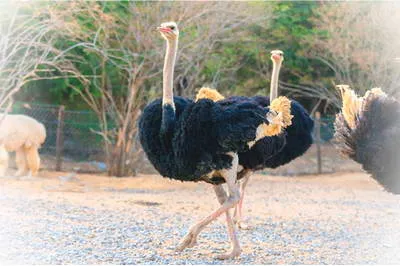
pixel 329 219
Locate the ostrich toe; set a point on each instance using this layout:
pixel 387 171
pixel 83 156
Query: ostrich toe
pixel 242 225
pixel 235 252
pixel 189 241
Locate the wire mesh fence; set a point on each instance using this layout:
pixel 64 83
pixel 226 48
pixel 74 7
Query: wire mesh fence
pixel 81 143
pixel 327 128
pixel 79 139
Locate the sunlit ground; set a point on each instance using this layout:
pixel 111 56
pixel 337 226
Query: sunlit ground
pixel 337 218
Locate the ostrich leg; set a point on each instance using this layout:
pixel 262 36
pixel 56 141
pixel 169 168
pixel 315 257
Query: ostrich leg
pixel 238 215
pixel 235 248
pixel 230 177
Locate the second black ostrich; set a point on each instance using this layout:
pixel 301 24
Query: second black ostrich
pixel 275 151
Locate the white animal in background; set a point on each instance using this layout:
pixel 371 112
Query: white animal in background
pixel 3 160
pixel 24 135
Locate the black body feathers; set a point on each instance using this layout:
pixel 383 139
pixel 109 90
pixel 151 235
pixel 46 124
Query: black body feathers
pixel 375 140
pixel 155 134
pixel 298 137
pixel 193 141
pixel 272 152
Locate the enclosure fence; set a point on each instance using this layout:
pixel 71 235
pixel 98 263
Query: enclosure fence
pixel 71 134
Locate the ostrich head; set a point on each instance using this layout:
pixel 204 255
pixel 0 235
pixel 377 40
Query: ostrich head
pixel 169 30
pixel 277 56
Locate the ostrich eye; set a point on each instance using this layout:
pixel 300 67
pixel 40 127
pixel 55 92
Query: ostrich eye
pixel 172 27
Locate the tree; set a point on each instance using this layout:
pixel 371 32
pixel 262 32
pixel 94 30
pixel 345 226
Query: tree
pixel 333 43
pixel 24 47
pixel 118 55
pixel 359 43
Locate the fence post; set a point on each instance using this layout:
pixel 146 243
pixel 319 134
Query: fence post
pixel 60 137
pixel 318 140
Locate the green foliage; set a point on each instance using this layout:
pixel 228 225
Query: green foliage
pixel 292 26
pixel 240 66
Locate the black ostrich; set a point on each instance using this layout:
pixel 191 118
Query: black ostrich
pixel 200 141
pixel 275 151
pixel 368 131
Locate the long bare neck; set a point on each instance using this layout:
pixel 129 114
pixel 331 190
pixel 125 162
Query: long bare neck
pixel 274 81
pixel 168 73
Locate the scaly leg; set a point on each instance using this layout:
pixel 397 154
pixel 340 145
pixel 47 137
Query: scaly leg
pixel 238 215
pixel 235 246
pixel 21 162
pixel 230 177
pixel 222 197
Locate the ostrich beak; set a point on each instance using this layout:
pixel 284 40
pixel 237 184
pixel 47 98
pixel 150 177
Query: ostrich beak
pixel 164 29
pixel 276 57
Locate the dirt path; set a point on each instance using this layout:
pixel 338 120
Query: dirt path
pixel 335 219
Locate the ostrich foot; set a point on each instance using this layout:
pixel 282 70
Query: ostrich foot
pixel 235 252
pixel 242 225
pixel 189 241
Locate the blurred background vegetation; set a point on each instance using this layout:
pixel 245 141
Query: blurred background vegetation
pixel 108 57
pixel 223 45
